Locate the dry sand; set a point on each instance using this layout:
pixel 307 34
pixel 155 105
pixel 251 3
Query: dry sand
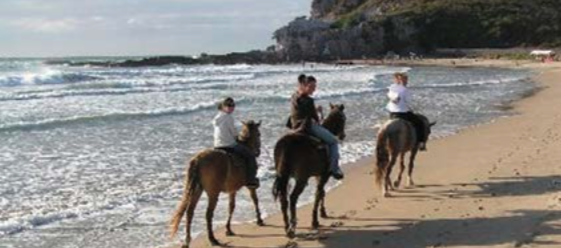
pixel 495 185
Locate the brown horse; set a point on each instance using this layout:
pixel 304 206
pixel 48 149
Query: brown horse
pixel 214 171
pixel 395 139
pixel 300 157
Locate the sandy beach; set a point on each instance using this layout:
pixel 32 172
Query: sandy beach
pixel 494 185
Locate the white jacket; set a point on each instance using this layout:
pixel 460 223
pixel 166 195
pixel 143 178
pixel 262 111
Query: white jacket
pixel 225 131
pixel 400 99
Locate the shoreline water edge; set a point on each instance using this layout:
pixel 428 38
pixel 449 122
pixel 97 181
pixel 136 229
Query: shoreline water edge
pixel 104 149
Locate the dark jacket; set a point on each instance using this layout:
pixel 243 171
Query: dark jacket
pixel 302 109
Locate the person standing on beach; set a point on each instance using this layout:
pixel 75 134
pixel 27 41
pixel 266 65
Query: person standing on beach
pixel 400 106
pixel 225 134
pixel 303 110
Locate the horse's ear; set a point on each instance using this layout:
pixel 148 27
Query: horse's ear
pixel 342 107
pixel 432 124
pixel 331 105
pixel 258 123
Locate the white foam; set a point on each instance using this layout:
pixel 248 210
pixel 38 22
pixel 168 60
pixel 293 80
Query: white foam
pixel 45 76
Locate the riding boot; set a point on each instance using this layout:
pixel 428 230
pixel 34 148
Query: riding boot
pixel 251 175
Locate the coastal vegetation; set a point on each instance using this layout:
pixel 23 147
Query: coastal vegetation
pixel 370 28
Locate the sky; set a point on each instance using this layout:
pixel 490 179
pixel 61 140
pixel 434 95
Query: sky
pixel 47 28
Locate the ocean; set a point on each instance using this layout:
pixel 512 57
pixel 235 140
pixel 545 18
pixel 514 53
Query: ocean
pixel 95 157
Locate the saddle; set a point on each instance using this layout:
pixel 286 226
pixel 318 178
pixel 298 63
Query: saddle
pixel 304 130
pixel 235 158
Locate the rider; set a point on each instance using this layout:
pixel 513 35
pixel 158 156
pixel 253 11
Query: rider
pixel 400 106
pixel 303 110
pixel 225 134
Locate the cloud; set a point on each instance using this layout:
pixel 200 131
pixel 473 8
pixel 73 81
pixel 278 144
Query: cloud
pixel 109 27
pixel 41 25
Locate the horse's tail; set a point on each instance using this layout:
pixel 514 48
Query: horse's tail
pixel 382 156
pixel 192 183
pixel 280 186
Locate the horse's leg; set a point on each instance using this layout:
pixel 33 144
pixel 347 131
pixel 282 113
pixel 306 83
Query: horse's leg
pixel 300 185
pixel 253 194
pixel 212 202
pixel 231 207
pixel 320 196
pixel 193 200
pixel 410 182
pixel 284 209
pixel 322 211
pixel 388 183
pixel 401 169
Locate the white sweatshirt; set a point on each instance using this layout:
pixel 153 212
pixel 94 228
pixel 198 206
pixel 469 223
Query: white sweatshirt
pixel 225 131
pixel 400 99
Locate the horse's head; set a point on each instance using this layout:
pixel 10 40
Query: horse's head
pixel 250 136
pixel 427 125
pixel 336 120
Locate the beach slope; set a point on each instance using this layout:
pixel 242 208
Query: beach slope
pixel 495 185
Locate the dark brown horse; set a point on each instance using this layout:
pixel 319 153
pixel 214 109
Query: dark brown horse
pixel 395 139
pixel 215 171
pixel 300 157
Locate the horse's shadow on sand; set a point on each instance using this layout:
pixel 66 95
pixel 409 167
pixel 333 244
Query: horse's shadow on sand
pixel 516 229
pixel 509 186
pixel 520 228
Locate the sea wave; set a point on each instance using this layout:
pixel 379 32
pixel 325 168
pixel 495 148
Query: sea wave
pixel 114 116
pixel 108 89
pixel 55 122
pixel 16 225
pixel 47 76
pixel 474 83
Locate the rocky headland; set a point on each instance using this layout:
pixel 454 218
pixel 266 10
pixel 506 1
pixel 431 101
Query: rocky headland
pixel 360 29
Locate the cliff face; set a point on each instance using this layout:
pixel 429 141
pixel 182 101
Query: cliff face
pixel 369 28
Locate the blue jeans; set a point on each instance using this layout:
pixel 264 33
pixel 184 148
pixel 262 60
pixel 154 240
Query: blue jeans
pixel 331 141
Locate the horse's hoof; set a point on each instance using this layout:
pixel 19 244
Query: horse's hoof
pixel 396 184
pixel 387 194
pixel 324 215
pixel 229 233
pixel 260 223
pixel 410 183
pixel 315 225
pixel 290 234
pixel 185 246
pixel 214 242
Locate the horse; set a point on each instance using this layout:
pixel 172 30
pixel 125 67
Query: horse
pixel 395 139
pixel 300 156
pixel 214 171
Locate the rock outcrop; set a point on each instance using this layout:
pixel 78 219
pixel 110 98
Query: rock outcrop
pixel 342 29
pixel 251 57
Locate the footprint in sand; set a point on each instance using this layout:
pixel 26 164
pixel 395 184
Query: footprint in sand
pixel 291 244
pixel 314 236
pixel 337 224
